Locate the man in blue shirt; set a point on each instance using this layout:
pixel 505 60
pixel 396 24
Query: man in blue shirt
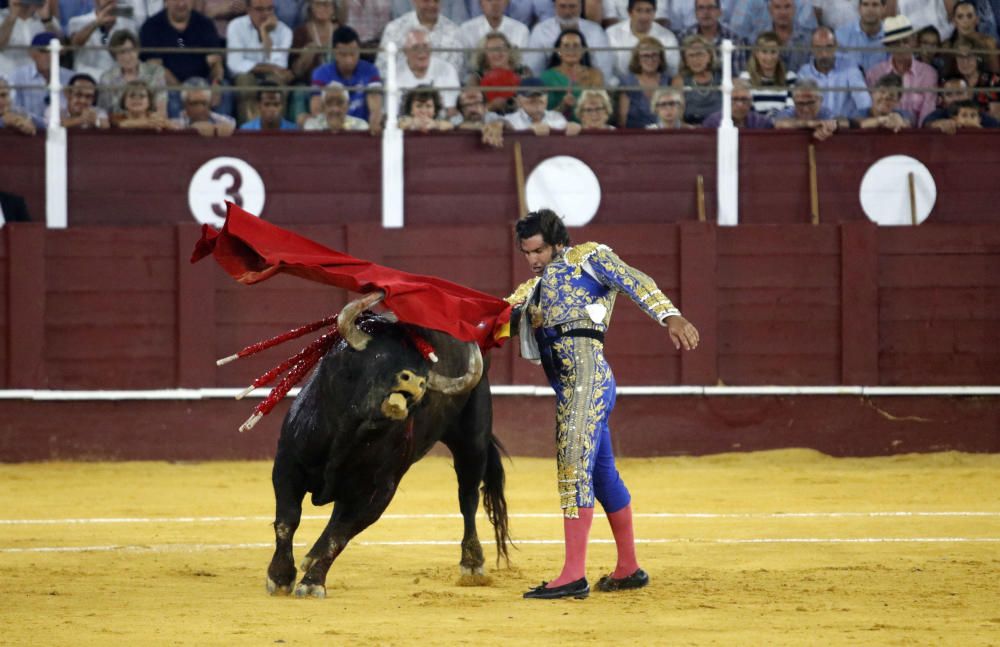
pixel 867 32
pixel 830 71
pixel 271 107
pixel 360 77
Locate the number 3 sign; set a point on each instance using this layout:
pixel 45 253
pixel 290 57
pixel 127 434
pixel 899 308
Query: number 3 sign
pixel 221 179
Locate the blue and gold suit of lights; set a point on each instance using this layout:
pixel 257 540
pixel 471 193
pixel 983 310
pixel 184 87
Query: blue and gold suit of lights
pixel 576 292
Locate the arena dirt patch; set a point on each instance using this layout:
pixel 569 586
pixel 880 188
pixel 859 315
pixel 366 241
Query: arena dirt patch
pixel 773 548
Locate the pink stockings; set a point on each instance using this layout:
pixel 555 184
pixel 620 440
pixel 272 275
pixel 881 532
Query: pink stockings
pixel 577 532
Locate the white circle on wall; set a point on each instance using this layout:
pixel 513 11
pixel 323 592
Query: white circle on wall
pixel 885 191
pixel 567 186
pixel 221 179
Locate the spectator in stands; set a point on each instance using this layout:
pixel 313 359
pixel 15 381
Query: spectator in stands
pixel 923 13
pixel 271 104
pixel 93 31
pixel 955 90
pixel 794 41
pixel 569 67
pixel 966 114
pixel 456 11
pixel 422 108
pixel 32 100
pixel 20 22
pixel 124 46
pixel 472 115
pixel 929 52
pixel 359 76
pixel 335 116
pixel 315 38
pixel 742 109
pixel 368 18
pixel 547 32
pixel 137 110
pixel 699 79
pixel 526 12
pixel 627 34
pixel 593 110
pixel 492 21
pixel 647 72
pixel 421 67
pixel 966 22
pixel 291 12
pixel 442 34
pixel 497 64
pixel 885 112
pixel 81 104
pixel 668 104
pixel 829 71
pixel 178 27
pixel 808 112
pixel 197 114
pixel 901 41
pixel 532 113
pixel 836 13
pixel 613 12
pixel 748 18
pixel 969 66
pixel 708 14
pixel 11 118
pixel 769 81
pixel 864 32
pixel 257 47
pixel 143 10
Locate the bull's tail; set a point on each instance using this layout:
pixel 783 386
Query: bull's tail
pixel 494 501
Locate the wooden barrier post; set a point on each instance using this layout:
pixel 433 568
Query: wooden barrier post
pixel 813 186
pixel 913 199
pixel 701 198
pixel 522 201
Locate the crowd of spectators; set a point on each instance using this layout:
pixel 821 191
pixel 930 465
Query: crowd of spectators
pixel 215 66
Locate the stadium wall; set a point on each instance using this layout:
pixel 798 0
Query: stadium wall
pixel 115 307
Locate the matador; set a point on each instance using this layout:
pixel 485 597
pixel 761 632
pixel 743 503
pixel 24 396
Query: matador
pixel 561 317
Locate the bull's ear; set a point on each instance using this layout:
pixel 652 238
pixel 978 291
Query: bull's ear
pixel 357 338
pixel 463 384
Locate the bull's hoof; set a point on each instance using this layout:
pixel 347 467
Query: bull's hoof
pixel 278 589
pixel 304 590
pixel 471 571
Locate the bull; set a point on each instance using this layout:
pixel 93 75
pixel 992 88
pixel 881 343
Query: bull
pixel 371 409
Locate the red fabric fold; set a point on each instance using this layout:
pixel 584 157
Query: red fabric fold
pixel 252 250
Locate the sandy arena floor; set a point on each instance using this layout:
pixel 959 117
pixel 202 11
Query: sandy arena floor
pixel 775 548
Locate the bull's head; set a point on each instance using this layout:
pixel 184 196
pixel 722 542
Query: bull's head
pixel 409 388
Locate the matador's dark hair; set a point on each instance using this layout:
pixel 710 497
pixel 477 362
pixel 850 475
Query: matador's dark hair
pixel 546 223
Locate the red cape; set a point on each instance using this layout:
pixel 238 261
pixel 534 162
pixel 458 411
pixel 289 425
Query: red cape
pixel 252 250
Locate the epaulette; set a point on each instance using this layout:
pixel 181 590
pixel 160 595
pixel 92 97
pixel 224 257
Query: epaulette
pixel 578 254
pixel 522 292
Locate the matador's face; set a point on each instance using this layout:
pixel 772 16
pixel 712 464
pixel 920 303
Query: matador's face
pixel 538 253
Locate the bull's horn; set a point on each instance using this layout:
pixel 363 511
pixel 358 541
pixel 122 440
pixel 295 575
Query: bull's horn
pixel 357 338
pixel 463 384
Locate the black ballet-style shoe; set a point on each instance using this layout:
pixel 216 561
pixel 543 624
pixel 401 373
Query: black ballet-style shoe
pixel 578 589
pixel 636 580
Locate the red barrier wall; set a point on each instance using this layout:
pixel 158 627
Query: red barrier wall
pixel 132 178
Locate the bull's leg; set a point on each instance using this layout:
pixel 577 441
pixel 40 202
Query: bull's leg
pixel 348 519
pixel 470 466
pixel 289 489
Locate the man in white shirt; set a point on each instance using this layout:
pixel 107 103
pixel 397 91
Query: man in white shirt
pixel 19 23
pixel 532 115
pixel 444 34
pixel 265 41
pixel 640 23
pixel 421 68
pixel 93 31
pixel 493 19
pixel 454 10
pixel 546 33
pixel 616 11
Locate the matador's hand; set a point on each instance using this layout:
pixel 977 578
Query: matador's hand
pixel 682 333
